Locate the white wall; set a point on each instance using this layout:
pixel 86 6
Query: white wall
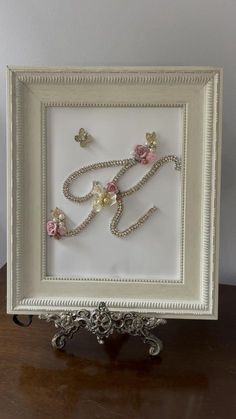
pixel 128 32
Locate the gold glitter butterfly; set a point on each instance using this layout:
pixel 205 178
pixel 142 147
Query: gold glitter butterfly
pixel 151 139
pixel 83 137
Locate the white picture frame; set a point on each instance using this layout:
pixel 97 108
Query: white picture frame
pixel 185 104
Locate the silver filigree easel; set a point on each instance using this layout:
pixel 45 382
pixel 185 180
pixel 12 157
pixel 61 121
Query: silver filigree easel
pixel 102 322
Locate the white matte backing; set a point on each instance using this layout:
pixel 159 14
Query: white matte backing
pixel 153 251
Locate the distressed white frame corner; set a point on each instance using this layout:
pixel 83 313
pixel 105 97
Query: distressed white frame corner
pixel 198 91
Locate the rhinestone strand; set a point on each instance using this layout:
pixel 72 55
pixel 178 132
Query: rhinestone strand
pixel 152 172
pixel 127 164
pixel 83 225
pixel 118 214
pixel 103 165
pixel 124 169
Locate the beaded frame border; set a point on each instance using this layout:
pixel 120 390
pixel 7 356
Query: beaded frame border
pixel 53 104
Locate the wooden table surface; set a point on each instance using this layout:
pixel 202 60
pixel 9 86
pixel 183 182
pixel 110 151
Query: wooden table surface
pixel 193 378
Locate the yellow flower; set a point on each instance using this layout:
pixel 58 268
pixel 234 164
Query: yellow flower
pixel 102 198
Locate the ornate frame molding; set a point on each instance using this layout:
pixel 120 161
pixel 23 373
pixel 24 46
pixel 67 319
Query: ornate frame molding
pixel 122 75
pixel 19 79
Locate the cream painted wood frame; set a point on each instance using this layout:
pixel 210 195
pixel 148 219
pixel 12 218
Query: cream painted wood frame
pixel 197 91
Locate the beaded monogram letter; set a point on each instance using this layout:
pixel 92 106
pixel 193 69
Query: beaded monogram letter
pixel 110 194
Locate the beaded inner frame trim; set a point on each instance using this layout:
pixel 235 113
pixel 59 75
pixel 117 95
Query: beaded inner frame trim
pixel 111 194
pixel 45 105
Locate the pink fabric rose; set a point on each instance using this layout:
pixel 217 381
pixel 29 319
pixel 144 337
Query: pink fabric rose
pixel 52 228
pixel 61 230
pixel 144 161
pixel 112 187
pixel 140 152
pixel 151 157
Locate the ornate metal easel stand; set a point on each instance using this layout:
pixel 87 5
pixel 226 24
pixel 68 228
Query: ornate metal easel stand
pixel 102 322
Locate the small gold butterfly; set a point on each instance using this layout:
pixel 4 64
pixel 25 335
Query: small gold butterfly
pixel 151 139
pixel 83 137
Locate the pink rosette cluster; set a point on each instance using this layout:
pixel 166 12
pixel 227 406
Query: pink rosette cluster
pixel 143 154
pixel 54 229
